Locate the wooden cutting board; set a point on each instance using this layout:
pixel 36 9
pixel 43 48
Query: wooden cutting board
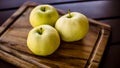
pixel 85 53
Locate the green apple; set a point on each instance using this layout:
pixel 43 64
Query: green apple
pixel 43 14
pixel 72 26
pixel 43 40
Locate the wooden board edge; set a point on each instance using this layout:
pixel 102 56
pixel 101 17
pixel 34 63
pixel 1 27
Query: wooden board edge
pixel 103 25
pixel 103 34
pixel 15 15
pixel 11 56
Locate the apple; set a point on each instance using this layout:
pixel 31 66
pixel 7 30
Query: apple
pixel 72 26
pixel 43 40
pixel 43 14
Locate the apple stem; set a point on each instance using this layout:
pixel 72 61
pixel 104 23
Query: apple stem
pixel 40 32
pixel 69 16
pixel 43 9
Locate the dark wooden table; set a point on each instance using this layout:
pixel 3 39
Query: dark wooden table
pixel 104 11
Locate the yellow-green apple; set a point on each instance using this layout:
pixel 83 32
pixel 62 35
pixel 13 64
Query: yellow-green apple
pixel 43 40
pixel 43 14
pixel 72 26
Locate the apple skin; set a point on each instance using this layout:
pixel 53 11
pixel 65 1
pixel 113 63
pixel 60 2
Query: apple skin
pixel 43 40
pixel 43 14
pixel 72 28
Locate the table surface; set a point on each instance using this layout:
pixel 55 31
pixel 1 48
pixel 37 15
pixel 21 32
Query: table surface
pixel 104 11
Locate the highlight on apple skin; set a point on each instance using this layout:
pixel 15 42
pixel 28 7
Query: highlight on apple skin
pixel 43 40
pixel 72 26
pixel 43 14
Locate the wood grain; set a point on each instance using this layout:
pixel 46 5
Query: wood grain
pixel 85 53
